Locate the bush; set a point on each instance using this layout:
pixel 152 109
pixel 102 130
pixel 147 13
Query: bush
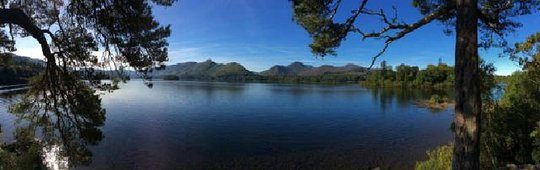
pixel 438 159
pixel 436 99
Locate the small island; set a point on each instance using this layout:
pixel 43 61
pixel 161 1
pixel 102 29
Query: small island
pixel 435 103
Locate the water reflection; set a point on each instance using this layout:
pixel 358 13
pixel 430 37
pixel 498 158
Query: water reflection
pixel 209 125
pixel 194 125
pixel 405 96
pixel 55 124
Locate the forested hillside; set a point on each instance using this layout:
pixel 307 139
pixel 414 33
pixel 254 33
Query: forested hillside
pixel 208 70
pixel 296 72
pixel 17 69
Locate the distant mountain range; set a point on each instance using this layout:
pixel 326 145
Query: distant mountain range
pixel 25 60
pixel 204 70
pixel 296 71
pixel 210 68
pixel 300 69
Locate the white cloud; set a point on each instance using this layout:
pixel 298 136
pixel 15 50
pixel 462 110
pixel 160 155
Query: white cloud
pixel 33 52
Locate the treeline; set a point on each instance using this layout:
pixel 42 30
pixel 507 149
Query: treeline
pixel 433 76
pixel 436 76
pixel 17 70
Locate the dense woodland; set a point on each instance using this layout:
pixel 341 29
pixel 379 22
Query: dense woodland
pixel 437 76
pixel 18 70
pixel 432 76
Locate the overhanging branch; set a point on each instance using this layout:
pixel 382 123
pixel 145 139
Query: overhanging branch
pixel 490 21
pixel 400 29
pixel 18 17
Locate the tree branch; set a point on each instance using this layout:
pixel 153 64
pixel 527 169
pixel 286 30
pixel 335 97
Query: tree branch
pixel 18 17
pixel 335 9
pixel 492 22
pixel 352 19
pixel 400 28
pixel 378 55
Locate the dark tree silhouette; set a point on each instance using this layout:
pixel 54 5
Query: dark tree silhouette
pixel 491 19
pixel 78 39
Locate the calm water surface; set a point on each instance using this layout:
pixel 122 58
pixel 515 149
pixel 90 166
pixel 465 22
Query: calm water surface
pixel 210 125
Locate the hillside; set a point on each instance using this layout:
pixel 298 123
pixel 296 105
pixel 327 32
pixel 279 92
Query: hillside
pixel 296 72
pixel 208 70
pixel 299 69
pixel 17 69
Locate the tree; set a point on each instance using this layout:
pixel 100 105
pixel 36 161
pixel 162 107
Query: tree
pixel 493 19
pixel 79 38
pixel 405 73
pixel 510 124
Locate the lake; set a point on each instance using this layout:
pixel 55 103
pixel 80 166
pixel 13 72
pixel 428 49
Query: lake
pixel 214 125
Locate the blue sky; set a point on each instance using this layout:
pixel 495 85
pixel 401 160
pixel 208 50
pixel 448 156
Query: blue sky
pixel 261 33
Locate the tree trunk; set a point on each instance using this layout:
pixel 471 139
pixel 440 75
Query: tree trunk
pixel 467 88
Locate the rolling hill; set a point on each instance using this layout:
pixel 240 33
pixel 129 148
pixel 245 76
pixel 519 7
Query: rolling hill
pixel 299 69
pixel 296 72
pixel 207 70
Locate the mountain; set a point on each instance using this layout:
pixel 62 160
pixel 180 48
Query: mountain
pixel 293 69
pixel 208 70
pixel 17 69
pixel 300 69
pixel 26 60
pixel 295 72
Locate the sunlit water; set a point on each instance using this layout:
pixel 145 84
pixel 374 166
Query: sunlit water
pixel 202 125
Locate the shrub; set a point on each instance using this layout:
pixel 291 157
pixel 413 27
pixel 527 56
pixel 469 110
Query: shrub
pixel 438 159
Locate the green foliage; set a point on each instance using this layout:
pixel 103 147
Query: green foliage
pixel 23 154
pixel 436 99
pixel 405 73
pixel 439 76
pixel 489 82
pixel 438 159
pixel 315 17
pixel 69 116
pixel 501 79
pixel 509 128
pixel 511 125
